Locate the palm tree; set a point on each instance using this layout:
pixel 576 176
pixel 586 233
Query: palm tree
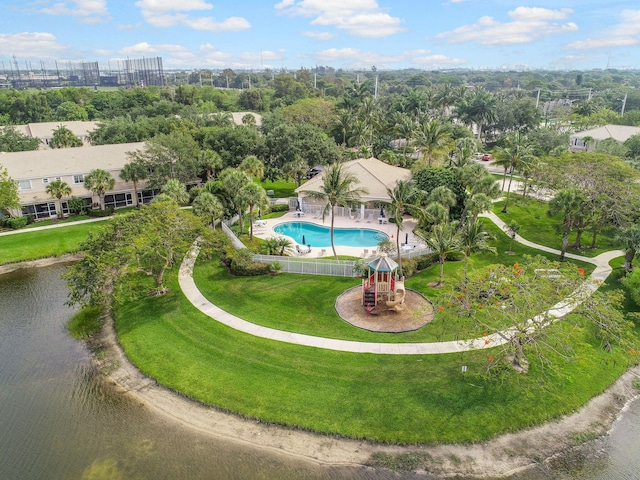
pixel 338 188
pixel 231 182
pixel 133 172
pixel 58 189
pixel 516 151
pixel 630 238
pixel 433 140
pixel 99 181
pixel 252 166
pixel 445 240
pixel 207 206
pixel 568 203
pixel 253 195
pixel 404 197
pixel 512 228
pixel 475 239
pixel 210 161
pixel 477 107
pixel 175 189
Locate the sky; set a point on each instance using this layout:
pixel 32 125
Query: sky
pixel 347 34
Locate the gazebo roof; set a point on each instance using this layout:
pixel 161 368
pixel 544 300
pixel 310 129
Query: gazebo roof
pixel 383 264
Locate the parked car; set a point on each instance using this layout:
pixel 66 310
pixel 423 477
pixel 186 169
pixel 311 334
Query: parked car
pixel 486 157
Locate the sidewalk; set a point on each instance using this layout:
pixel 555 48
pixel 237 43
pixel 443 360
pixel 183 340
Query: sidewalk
pixel 190 290
pixel 57 225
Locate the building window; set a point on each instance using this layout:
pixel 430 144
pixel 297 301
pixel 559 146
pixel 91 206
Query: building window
pixel 45 181
pixel 78 179
pixel 118 200
pixel 58 179
pixel 24 184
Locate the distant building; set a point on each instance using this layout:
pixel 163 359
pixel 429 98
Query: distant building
pixel 618 132
pixel 44 130
pixel 34 170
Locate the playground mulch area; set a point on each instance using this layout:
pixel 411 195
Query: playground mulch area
pixel 417 312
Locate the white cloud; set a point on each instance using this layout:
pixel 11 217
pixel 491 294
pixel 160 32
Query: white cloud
pixel 319 35
pixel 356 58
pixel 259 57
pixel 624 34
pixel 528 24
pixel 90 11
pixel 361 18
pixel 30 44
pixel 169 13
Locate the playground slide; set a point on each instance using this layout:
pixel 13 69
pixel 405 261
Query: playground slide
pixel 398 303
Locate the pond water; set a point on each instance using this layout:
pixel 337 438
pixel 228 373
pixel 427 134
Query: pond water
pixel 61 420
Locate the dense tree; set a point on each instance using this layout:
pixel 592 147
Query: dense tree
pixel 339 187
pixel 176 191
pixel 70 111
pixel 9 198
pixel 11 140
pixel 64 138
pixel 477 107
pixel 516 151
pixel 434 142
pixel 207 206
pixel 629 237
pixel 99 182
pixel 233 144
pixel 428 179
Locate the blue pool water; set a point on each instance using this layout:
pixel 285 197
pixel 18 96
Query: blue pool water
pixel 320 236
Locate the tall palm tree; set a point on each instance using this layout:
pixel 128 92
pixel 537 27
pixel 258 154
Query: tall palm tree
pixel 445 240
pixel 339 187
pixel 206 205
pixel 253 195
pixel 475 239
pixel 99 181
pixel 630 238
pixel 176 190
pixel 477 107
pixel 228 187
pixel 210 161
pixel 404 197
pixel 517 150
pixel 252 166
pixel 568 203
pixel 433 140
pixel 134 172
pixel 58 189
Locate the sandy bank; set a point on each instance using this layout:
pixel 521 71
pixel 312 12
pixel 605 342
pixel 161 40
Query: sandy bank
pixel 499 457
pixel 42 262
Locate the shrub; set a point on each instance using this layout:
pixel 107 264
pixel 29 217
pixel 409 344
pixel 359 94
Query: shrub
pixel 425 261
pixel 240 262
pixel 632 284
pixel 279 207
pixel 18 222
pixel 409 267
pixel 77 206
pixel 107 212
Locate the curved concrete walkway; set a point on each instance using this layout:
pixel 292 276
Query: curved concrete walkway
pixel 190 290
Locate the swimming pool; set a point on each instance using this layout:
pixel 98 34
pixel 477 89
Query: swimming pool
pixel 320 236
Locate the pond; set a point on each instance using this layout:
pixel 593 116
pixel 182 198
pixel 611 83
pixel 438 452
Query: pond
pixel 62 420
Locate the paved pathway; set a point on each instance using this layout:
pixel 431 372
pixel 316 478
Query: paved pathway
pixel 55 225
pixel 190 290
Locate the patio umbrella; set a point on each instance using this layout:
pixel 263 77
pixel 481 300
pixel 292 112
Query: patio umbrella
pixel 303 242
pixel 381 212
pixel 298 205
pixel 259 215
pixel 406 238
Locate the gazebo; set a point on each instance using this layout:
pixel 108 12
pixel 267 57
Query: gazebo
pixel 382 280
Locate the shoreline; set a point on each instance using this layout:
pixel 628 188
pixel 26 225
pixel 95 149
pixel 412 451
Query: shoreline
pixel 502 456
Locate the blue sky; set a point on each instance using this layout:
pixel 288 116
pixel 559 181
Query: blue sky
pixel 350 34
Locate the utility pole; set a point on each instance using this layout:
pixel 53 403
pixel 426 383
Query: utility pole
pixel 538 98
pixel 590 92
pixel 624 103
pixel 375 90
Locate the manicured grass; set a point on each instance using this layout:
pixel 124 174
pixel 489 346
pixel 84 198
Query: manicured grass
pixel 306 303
pixel 387 398
pixel 44 243
pixel 538 227
pixel 281 188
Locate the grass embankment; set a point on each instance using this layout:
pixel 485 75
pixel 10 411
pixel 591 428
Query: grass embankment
pixel 33 245
pixel 388 398
pixel 281 188
pixel 305 303
pixel 536 226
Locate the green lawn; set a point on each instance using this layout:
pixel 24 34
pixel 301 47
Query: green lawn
pixel 281 188
pixel 387 398
pixel 306 303
pixel 538 227
pixel 44 243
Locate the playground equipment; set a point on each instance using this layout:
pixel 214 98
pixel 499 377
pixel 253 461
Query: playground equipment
pixel 383 283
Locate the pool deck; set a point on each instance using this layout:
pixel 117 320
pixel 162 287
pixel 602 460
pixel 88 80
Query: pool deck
pixel 266 230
